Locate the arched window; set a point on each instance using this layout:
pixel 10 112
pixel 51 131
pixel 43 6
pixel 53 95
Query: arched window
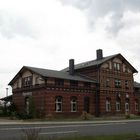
pixel 136 105
pixel 27 105
pixel 127 105
pixel 118 104
pixel 73 103
pixel 108 104
pixel 58 104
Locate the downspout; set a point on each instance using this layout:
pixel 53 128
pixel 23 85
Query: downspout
pixel 97 94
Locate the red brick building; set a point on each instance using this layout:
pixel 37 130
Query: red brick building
pixel 101 86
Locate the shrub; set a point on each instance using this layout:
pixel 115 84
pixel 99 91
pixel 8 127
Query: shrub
pixel 31 133
pixel 85 115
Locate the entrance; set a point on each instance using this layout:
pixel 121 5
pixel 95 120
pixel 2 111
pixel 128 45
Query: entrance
pixel 86 104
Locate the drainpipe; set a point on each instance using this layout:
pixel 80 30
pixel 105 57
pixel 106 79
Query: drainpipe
pixel 97 104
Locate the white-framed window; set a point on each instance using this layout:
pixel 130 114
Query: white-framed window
pixel 118 106
pixel 27 105
pixel 136 105
pixel 117 83
pixel 108 105
pixel 27 81
pixel 73 103
pixel 117 66
pixel 107 82
pixel 127 106
pixel 58 104
pixel 126 69
pixel 126 83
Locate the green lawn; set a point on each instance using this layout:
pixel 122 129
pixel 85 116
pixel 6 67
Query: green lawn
pixel 111 137
pixel 34 134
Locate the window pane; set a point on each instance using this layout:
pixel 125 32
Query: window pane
pixel 58 104
pixel 73 104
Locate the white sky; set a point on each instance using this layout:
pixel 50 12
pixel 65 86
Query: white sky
pixel 47 33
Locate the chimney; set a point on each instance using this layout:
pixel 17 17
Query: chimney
pixel 99 54
pixel 71 66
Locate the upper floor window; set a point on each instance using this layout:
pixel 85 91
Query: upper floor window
pixel 87 84
pixel 17 84
pixel 126 83
pixel 126 69
pixel 73 83
pixel 27 81
pixel 59 82
pixel 107 82
pixel 117 66
pixel 117 83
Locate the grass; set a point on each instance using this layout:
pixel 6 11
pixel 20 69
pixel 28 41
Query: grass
pixel 33 134
pixel 105 137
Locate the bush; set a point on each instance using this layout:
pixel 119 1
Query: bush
pixel 31 133
pixel 85 115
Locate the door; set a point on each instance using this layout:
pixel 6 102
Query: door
pixel 86 104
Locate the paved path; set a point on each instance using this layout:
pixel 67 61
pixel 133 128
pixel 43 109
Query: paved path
pixel 7 121
pixel 13 129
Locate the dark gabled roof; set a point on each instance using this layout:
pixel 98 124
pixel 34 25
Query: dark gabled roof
pixel 136 85
pixel 53 73
pixel 99 62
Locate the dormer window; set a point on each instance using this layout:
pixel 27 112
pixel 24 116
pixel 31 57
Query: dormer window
pixel 117 67
pixel 27 81
pixel 126 69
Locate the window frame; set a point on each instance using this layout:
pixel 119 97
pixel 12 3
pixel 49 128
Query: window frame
pixel 59 82
pixel 73 102
pixel 58 104
pixel 117 66
pixel 118 106
pixel 117 83
pixel 73 83
pixel 27 81
pixel 126 84
pixel 107 82
pixel 127 107
pixel 136 106
pixel 108 105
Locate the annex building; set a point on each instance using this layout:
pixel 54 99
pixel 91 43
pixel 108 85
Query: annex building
pixel 99 87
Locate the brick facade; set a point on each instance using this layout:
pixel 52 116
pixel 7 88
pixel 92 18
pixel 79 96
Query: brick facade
pixel 106 87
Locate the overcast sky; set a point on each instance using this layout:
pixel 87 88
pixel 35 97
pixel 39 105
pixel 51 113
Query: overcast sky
pixel 47 33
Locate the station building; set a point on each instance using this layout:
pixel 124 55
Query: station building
pixel 104 86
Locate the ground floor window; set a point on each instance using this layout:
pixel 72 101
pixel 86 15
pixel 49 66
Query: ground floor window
pixel 127 106
pixel 136 105
pixel 118 105
pixel 73 104
pixel 58 104
pixel 27 105
pixel 108 105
